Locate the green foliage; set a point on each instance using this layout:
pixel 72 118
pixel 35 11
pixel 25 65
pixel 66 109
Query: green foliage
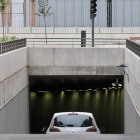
pixel 44 8
pixel 6 38
pixel 12 38
pixel 3 5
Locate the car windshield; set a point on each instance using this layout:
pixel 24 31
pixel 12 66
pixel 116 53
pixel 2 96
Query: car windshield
pixel 73 121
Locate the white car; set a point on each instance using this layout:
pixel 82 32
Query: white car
pixel 73 122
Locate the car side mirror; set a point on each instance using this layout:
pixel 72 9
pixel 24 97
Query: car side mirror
pixel 44 129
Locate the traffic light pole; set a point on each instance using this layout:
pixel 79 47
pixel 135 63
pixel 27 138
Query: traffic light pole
pixel 92 32
pixel 93 10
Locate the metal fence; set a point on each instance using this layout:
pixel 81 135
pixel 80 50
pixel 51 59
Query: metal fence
pixel 12 45
pixel 133 46
pixel 73 42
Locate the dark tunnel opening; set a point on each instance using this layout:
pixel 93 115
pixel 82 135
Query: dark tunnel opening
pixel 103 96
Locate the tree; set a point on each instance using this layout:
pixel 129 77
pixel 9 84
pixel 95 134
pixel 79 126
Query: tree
pixel 44 10
pixel 3 5
pixel 33 12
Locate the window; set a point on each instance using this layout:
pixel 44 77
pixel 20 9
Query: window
pixel 73 121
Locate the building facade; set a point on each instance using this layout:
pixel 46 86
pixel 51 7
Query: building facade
pixel 69 13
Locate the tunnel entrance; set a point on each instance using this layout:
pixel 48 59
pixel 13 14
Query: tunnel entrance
pixel 101 95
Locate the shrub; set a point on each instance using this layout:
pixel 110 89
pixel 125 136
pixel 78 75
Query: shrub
pixel 6 38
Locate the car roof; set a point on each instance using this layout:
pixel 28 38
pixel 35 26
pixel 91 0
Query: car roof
pixel 66 113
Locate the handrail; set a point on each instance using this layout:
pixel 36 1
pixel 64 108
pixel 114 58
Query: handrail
pixel 86 38
pixel 74 41
pixel 133 46
pixel 12 45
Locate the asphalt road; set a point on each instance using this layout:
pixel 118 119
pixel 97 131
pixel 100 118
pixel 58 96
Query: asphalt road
pixel 68 137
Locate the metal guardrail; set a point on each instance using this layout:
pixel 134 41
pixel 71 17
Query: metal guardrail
pixel 74 41
pixel 12 45
pixel 133 46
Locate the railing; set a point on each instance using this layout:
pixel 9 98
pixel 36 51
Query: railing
pixel 12 45
pixel 133 46
pixel 74 42
pixel 73 30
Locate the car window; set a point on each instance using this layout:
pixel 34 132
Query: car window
pixel 73 121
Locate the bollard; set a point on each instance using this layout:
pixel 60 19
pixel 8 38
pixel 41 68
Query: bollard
pixel 83 38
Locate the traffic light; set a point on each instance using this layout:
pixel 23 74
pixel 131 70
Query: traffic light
pixel 93 8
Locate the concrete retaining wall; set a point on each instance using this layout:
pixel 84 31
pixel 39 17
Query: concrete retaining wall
pixel 11 86
pixel 14 116
pixel 132 77
pixel 12 62
pixel 132 86
pixel 75 61
pixel 14 107
pixel 132 118
pixel 13 74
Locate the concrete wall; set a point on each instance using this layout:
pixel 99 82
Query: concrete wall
pixel 12 62
pixel 75 61
pixel 132 91
pixel 13 92
pixel 14 116
pixel 132 118
pixel 11 86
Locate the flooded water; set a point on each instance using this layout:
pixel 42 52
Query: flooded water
pixel 107 106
